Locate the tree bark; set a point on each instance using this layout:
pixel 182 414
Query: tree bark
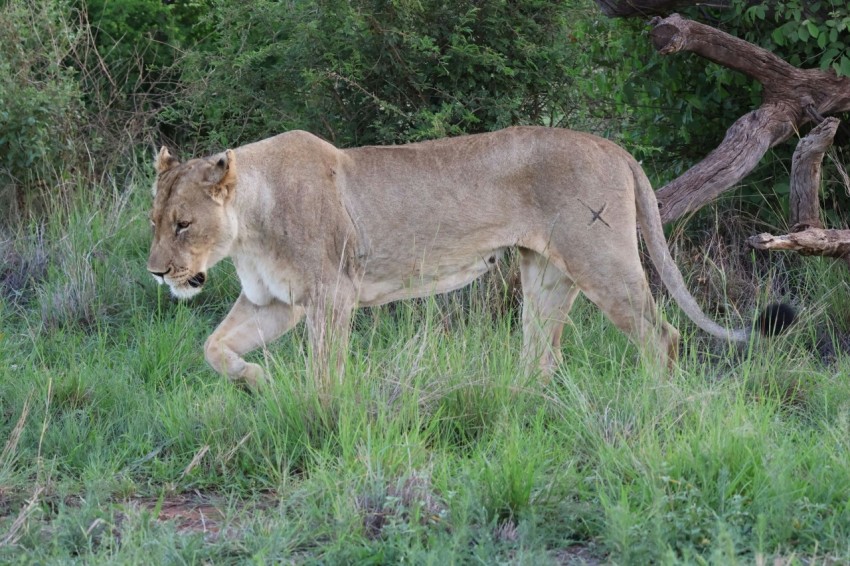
pixel 806 176
pixel 745 143
pixel 791 97
pixel 807 234
pixel 811 241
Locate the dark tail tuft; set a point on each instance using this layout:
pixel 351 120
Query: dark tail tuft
pixel 776 318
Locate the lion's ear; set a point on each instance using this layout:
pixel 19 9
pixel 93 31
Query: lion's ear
pixel 164 161
pixel 223 178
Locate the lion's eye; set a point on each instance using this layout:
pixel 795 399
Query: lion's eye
pixel 182 227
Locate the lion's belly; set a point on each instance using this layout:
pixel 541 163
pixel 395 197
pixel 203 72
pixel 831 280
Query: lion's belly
pixel 384 282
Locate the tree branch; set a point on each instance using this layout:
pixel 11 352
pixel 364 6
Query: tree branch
pixel 806 175
pixel 791 97
pixel 811 241
pixel 783 83
pixel 807 235
pixel 675 33
pixel 746 142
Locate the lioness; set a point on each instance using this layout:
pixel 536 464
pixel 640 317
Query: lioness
pixel 316 230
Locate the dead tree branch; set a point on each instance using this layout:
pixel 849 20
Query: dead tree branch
pixel 806 175
pixel 791 97
pixel 807 236
pixel 811 241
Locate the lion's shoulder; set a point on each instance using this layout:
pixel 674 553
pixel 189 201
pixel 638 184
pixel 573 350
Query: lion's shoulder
pixel 297 142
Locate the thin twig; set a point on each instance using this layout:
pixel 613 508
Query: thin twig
pixel 12 536
pixel 15 436
pixel 196 460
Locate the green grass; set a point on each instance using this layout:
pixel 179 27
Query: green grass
pixel 432 450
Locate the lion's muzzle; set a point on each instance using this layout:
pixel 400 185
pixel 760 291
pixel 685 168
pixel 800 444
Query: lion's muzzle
pixel 197 280
pixel 159 275
pixel 181 286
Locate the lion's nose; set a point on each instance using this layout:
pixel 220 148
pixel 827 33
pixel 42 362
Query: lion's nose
pixel 159 273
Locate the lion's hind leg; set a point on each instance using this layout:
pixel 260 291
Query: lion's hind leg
pixel 547 297
pixel 623 295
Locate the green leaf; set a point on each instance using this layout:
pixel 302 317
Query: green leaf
pixel 844 67
pixel 827 57
pixel 814 30
pixel 830 54
pixel 696 102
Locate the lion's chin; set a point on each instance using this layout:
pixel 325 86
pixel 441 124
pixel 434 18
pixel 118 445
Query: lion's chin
pixel 188 288
pixel 185 291
pixel 192 286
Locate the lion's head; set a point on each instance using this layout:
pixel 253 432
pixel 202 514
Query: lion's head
pixel 193 222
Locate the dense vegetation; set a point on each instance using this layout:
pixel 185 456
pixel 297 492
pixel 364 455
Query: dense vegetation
pixel 683 105
pixel 433 449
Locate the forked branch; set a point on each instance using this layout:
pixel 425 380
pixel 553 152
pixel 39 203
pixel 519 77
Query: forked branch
pixel 791 97
pixel 807 236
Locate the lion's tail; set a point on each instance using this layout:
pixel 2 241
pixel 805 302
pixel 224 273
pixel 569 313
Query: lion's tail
pixel 653 234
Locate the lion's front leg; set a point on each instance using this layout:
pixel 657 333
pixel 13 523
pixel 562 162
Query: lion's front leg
pixel 245 328
pixel 329 328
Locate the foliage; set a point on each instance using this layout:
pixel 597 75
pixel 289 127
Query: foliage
pixel 368 71
pixel 80 98
pixel 40 102
pixel 129 71
pixel 123 28
pixel 139 40
pixel 680 106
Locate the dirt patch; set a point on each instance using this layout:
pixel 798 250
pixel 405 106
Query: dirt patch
pixel 577 555
pixel 190 514
pixel 198 513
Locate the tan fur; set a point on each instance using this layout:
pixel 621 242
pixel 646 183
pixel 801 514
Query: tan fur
pixel 314 230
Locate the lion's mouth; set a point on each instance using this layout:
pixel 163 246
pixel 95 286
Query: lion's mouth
pixel 197 280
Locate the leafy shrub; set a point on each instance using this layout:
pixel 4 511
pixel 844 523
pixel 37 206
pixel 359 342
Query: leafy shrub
pixel 40 102
pixel 139 40
pixel 128 73
pixel 683 104
pixel 124 27
pixel 81 85
pixel 369 71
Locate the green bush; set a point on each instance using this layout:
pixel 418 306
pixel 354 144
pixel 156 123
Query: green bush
pixel 681 105
pixel 369 71
pixel 139 40
pixel 81 85
pixel 40 102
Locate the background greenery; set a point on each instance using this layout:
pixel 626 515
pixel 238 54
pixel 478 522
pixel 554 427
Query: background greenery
pixel 433 449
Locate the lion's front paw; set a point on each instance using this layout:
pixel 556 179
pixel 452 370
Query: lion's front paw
pixel 254 376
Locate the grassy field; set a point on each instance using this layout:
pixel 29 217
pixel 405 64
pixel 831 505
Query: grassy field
pixel 119 445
